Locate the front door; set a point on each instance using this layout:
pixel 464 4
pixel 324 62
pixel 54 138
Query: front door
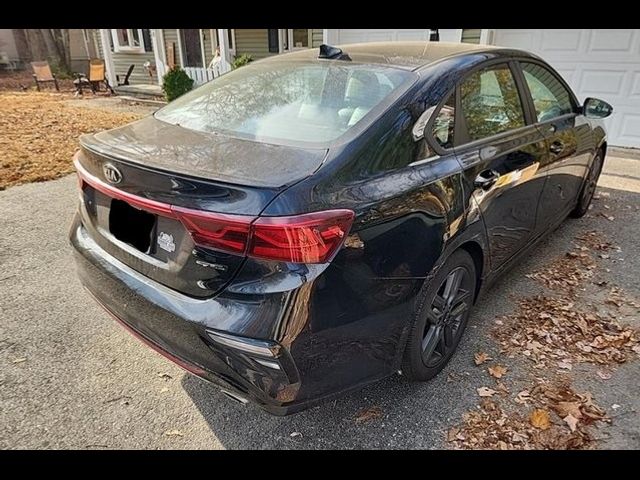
pixel 568 142
pixel 191 47
pixel 501 155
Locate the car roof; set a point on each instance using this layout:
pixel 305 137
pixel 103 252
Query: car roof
pixel 408 55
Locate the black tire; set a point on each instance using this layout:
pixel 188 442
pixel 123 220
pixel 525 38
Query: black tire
pixel 589 186
pixel 438 316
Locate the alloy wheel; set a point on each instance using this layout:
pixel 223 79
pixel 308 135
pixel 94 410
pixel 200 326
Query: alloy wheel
pixel 445 316
pixel 592 181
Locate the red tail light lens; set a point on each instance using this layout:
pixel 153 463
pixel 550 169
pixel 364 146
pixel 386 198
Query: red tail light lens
pixel 229 233
pixel 310 238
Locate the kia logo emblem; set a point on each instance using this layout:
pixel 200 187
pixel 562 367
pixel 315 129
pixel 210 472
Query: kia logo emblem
pixel 111 173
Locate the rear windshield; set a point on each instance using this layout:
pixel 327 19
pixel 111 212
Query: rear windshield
pixel 290 101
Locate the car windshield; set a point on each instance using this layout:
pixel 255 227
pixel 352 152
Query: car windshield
pixel 290 101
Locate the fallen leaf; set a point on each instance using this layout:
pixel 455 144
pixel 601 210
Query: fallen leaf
pixel 481 357
pixel 173 433
pixel 368 414
pixel 539 418
pixel 523 396
pixel 452 434
pixel 502 388
pixel 603 375
pixel 518 437
pixel 566 365
pixel 571 421
pixel 497 371
pixel 486 392
pixel 568 408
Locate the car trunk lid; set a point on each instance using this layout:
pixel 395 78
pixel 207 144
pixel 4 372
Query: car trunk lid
pixel 132 177
pixel 156 144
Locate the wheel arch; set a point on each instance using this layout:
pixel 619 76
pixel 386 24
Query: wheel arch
pixel 476 252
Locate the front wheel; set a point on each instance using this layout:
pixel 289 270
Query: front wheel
pixel 441 318
pixel 589 186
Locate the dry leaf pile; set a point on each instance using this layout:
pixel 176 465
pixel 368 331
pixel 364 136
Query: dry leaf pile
pixel 594 241
pixel 553 333
pixel 567 273
pixel 555 417
pixel 40 134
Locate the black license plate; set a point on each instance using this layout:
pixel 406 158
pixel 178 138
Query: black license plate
pixel 131 225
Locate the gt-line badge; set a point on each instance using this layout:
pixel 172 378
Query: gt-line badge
pixel 165 242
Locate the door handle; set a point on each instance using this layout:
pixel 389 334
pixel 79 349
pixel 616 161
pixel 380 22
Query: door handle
pixel 486 179
pixel 556 147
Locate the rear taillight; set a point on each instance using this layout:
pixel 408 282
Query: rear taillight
pixel 229 233
pixel 307 238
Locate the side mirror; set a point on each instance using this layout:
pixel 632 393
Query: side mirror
pixel 596 108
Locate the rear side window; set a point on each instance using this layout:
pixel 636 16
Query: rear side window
pixel 443 125
pixel 550 98
pixel 490 103
pixel 291 101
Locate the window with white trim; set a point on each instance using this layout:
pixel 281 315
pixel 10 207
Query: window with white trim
pixel 131 40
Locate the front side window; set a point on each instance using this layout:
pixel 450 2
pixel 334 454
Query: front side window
pixel 550 98
pixel 490 103
pixel 313 102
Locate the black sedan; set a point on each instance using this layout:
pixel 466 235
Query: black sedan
pixel 316 221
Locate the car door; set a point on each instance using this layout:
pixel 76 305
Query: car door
pixel 500 151
pixel 568 141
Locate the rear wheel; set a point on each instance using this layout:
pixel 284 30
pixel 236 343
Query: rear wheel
pixel 589 186
pixel 441 319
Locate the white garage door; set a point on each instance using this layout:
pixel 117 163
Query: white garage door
pixel 371 35
pixel 596 63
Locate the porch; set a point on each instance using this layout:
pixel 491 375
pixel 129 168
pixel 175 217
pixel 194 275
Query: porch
pixel 141 91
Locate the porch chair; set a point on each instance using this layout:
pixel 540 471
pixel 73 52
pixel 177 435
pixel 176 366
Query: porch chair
pixel 42 74
pixel 126 77
pixel 96 77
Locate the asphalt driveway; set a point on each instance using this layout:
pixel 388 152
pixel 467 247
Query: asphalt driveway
pixel 70 377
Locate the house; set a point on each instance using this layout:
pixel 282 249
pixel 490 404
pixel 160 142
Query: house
pixel 595 62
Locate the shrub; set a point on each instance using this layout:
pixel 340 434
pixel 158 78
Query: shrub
pixel 60 70
pixel 241 60
pixel 176 82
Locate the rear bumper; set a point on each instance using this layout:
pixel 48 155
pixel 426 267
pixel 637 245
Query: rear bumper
pixel 183 328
